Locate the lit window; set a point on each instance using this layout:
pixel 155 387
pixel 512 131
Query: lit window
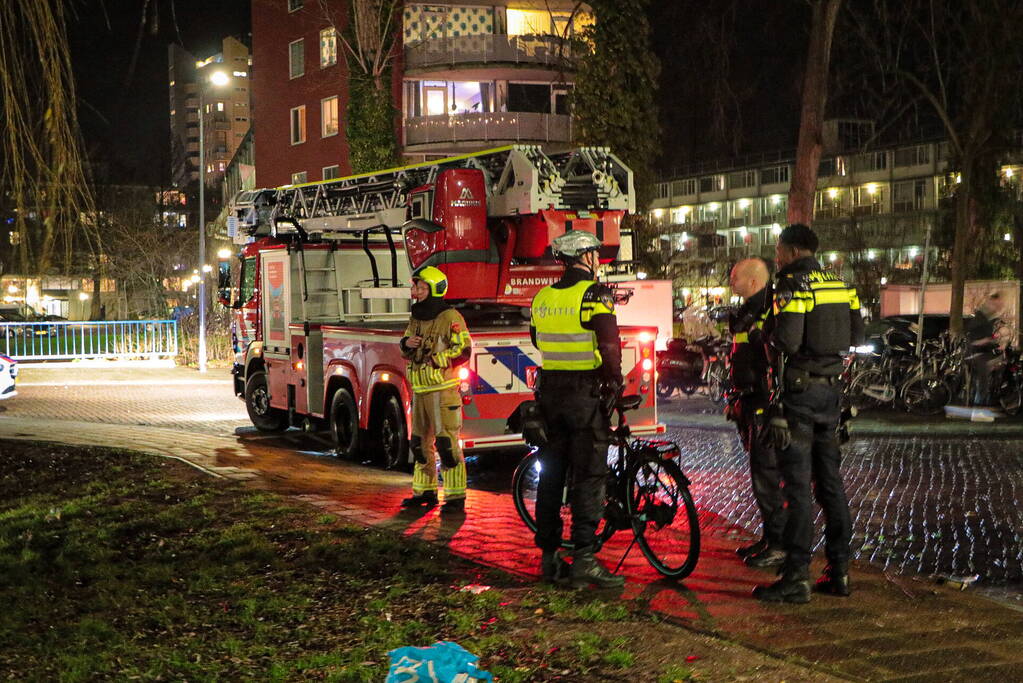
pixel 298 125
pixel 297 178
pixel 182 220
pixel 296 58
pixel 329 116
pixel 15 237
pixel 331 172
pixel 328 47
pixel 295 5
pixel 220 167
pixel 220 106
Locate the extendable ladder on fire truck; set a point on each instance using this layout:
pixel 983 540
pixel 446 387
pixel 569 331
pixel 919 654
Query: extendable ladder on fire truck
pixel 371 208
pixel 520 179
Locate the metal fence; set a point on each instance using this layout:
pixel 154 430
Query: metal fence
pixel 142 339
pixel 488 49
pixel 488 127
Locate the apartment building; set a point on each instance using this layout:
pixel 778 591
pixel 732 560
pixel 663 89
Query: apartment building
pixel 466 76
pixel 226 110
pixel 478 76
pixel 870 206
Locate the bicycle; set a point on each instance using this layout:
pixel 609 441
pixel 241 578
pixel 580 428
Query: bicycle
pixel 646 492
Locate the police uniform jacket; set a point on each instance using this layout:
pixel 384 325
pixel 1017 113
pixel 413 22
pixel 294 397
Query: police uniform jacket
pixel 592 316
pixel 816 318
pixel 748 357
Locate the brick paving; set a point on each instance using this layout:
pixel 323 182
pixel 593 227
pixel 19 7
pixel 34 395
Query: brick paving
pixel 895 627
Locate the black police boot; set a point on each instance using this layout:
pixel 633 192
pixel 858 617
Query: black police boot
pixel 453 506
pixel 752 549
pixel 587 571
pixel 424 499
pixel 834 581
pixel 768 557
pixel 793 586
pixel 553 568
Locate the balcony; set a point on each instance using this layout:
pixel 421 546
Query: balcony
pixel 490 127
pixel 549 51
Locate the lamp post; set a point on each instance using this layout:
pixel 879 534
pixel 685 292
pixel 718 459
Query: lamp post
pixel 217 78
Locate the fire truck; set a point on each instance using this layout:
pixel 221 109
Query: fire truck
pixel 319 289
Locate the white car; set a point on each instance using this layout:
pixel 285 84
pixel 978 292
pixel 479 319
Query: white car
pixel 8 376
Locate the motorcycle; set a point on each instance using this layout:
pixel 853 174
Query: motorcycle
pixel 680 367
pixel 1010 389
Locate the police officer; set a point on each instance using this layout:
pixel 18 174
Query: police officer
pixel 816 318
pixel 574 327
pixel 748 406
pixel 435 343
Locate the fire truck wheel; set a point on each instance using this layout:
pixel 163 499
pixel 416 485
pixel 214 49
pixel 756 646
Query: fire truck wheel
pixel 344 424
pixel 257 403
pixel 392 434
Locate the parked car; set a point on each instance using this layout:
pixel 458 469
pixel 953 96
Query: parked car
pixel 8 377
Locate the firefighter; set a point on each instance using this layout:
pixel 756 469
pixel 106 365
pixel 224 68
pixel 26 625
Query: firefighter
pixel 435 343
pixel 816 318
pixel 748 404
pixel 574 327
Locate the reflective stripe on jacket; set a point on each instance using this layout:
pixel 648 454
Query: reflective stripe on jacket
pixel 558 316
pixel 816 317
pixel 445 339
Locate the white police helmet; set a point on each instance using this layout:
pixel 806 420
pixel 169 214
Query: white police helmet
pixel 573 244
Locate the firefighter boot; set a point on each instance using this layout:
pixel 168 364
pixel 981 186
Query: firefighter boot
pixel 834 581
pixel 453 506
pixel 424 499
pixel 587 571
pixel 793 586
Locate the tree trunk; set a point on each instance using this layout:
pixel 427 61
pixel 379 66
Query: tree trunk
pixel 815 94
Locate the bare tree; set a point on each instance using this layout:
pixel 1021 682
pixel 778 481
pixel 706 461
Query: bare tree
pixel 43 172
pixel 368 35
pixel 963 58
pixel 815 96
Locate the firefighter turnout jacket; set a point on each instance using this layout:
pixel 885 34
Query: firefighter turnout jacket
pixel 433 366
pixel 816 318
pixel 748 358
pixel 574 327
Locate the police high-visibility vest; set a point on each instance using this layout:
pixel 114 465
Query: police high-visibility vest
pixel 558 316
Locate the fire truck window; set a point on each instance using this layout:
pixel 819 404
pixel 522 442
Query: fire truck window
pixel 420 204
pixel 248 279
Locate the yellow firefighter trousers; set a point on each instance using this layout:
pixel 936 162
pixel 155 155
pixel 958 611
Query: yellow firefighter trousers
pixel 436 424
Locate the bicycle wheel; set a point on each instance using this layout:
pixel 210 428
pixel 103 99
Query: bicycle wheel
pixel 663 515
pixel 869 389
pixel 524 485
pixel 925 395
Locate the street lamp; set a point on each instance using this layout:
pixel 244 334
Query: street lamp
pixel 219 79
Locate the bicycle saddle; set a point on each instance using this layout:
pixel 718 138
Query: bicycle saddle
pixel 630 402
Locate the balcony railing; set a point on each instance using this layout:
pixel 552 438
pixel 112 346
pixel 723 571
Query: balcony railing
pixel 497 126
pixel 488 49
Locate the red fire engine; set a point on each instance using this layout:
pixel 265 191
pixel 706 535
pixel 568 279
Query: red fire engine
pixel 320 289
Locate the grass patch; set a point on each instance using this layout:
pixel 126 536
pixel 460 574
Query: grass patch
pixel 116 565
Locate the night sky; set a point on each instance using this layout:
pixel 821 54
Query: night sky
pixel 124 111
pixel 730 80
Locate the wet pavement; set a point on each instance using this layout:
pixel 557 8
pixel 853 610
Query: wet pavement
pixel 937 501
